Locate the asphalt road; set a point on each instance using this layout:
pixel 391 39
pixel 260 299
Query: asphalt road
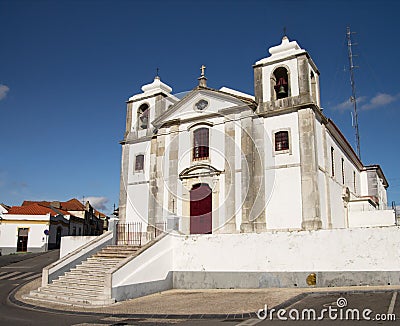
pixel 373 305
pixel 14 274
pixel 365 308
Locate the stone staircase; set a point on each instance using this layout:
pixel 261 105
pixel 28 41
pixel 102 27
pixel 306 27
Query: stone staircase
pixel 85 284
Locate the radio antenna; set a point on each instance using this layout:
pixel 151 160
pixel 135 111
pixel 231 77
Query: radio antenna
pixel 353 98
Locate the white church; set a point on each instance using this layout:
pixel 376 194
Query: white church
pixel 256 192
pixel 222 161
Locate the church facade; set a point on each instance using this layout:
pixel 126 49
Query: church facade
pixel 222 161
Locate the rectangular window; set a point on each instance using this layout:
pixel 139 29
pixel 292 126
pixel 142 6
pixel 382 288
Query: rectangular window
pixel 281 141
pixel 139 162
pixel 332 162
pixel 201 144
pixel 343 179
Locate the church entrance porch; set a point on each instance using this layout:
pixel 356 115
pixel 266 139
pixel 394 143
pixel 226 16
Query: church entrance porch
pixel 201 209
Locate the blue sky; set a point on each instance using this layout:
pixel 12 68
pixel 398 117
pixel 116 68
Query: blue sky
pixel 67 68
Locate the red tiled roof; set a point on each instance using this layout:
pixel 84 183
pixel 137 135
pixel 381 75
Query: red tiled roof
pixel 34 209
pixel 70 205
pixel 99 214
pixel 31 202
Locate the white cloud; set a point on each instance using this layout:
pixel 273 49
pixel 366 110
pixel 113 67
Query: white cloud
pixel 98 202
pixel 348 105
pixel 379 100
pixel 3 91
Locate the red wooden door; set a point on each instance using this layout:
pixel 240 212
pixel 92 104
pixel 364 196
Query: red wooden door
pixel 200 209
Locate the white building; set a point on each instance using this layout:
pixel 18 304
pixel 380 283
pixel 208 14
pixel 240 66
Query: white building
pixel 32 228
pixel 221 161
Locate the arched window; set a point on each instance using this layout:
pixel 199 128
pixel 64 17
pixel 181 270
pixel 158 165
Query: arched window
pixel 143 116
pixel 200 144
pixel 281 141
pixel 281 83
pixel 139 162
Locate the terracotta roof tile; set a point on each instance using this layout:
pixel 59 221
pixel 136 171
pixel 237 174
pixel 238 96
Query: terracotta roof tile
pixel 72 205
pixel 34 209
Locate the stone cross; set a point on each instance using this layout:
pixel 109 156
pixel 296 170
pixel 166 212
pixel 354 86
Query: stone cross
pixel 203 67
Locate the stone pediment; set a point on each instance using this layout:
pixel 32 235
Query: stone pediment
pixel 198 170
pixel 203 102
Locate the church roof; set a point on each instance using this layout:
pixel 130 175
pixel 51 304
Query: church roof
pixel 243 98
pixel 236 98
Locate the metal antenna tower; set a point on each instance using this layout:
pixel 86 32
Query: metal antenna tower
pixel 353 98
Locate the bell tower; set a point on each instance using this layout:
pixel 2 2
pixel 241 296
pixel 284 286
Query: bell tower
pixel 287 83
pixel 285 79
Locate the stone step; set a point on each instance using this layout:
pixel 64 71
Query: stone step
pixel 116 248
pixel 93 267
pixel 84 274
pixel 56 290
pixel 75 289
pixel 114 255
pixel 104 259
pixel 112 251
pixel 82 282
pixel 76 284
pixel 69 300
pixel 91 275
pixel 100 262
pixel 85 283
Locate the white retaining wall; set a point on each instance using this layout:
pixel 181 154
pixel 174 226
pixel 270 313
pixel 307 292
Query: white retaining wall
pixel 372 218
pixel 70 243
pixel 338 256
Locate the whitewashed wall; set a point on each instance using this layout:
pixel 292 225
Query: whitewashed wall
pixel 282 175
pixel 36 236
pixel 359 249
pixel 349 250
pixel 372 218
pixel 69 244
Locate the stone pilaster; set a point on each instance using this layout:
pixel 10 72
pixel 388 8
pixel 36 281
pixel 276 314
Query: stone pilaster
pixel 230 204
pixel 247 173
pixel 173 169
pixel 129 118
pixel 160 177
pixel 257 214
pixel 152 187
pixel 304 75
pixel 123 186
pixel 327 186
pixel 258 85
pixel 309 171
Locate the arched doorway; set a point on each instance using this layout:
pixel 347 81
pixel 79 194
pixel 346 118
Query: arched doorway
pixel 201 209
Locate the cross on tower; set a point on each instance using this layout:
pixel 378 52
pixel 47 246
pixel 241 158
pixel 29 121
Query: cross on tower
pixel 203 67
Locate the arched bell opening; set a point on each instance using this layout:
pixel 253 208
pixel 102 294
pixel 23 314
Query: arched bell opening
pixel 281 80
pixel 143 116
